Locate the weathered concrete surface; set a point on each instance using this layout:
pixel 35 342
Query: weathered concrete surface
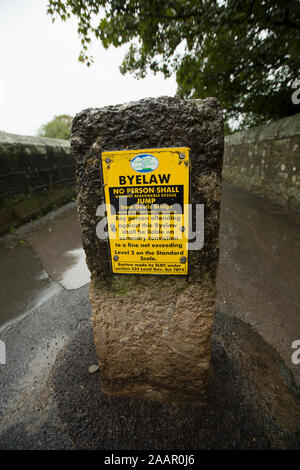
pixel 266 161
pixel 153 341
pixel 152 334
pixel 35 175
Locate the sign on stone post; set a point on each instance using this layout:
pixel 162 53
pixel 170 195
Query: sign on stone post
pixel 149 189
pixel 145 236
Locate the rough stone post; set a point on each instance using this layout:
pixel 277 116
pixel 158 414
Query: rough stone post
pixel 152 333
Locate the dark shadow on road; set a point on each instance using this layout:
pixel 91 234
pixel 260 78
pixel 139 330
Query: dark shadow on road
pixel 252 403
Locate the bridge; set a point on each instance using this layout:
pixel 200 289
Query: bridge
pixel 50 394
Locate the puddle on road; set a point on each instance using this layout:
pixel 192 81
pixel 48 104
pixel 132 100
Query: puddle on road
pixel 24 284
pixel 58 244
pixel 77 274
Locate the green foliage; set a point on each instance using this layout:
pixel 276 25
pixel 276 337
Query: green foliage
pixel 244 52
pixel 227 128
pixel 58 128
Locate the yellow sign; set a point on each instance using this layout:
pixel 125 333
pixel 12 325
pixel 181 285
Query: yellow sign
pixel 146 195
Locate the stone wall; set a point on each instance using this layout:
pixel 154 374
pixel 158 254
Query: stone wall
pixel 266 161
pixel 36 175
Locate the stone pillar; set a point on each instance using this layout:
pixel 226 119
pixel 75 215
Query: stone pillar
pixel 152 333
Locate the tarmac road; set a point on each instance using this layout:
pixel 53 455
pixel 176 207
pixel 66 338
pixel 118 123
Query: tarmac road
pixel 48 398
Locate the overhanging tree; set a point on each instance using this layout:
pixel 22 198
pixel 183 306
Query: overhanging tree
pixel 58 128
pixel 245 52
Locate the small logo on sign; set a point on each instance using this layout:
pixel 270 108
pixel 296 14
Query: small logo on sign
pixel 144 163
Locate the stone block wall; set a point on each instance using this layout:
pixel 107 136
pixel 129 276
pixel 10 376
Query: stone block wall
pixel 266 161
pixel 36 175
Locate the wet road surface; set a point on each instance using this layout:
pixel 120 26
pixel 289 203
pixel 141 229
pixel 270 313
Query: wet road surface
pixel 258 276
pixel 40 262
pixel 24 283
pixel 46 389
pixel 259 269
pixel 58 245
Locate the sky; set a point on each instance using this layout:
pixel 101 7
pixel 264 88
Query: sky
pixel 40 75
